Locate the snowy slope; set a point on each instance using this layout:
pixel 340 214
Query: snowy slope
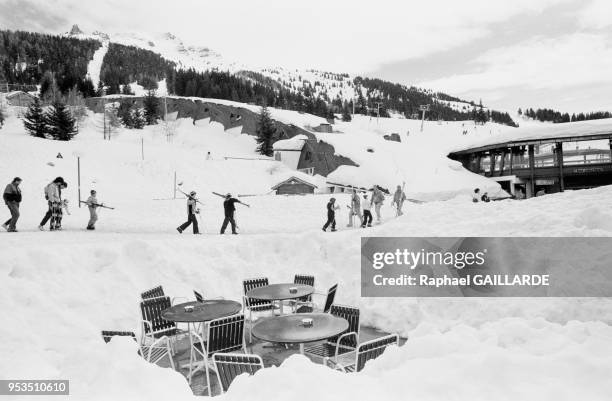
pixel 58 290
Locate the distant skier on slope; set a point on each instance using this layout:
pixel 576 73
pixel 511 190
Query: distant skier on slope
pixel 192 210
pixel 367 215
pixel 398 200
pixel 355 209
pixel 54 201
pixel 377 201
pixel 12 199
pixel 331 214
pixel 92 205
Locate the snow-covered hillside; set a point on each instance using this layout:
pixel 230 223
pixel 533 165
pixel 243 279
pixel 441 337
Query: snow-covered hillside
pixel 58 290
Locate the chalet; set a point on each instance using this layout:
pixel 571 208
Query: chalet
pixel 544 159
pixel 294 186
pixel 19 98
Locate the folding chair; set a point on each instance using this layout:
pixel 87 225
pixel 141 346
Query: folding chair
pixel 309 307
pixel 155 292
pixel 153 353
pixel 230 366
pixel 302 280
pixel 344 342
pixel 223 335
pixel 255 305
pixel 365 352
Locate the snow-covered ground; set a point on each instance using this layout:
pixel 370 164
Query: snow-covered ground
pixel 58 290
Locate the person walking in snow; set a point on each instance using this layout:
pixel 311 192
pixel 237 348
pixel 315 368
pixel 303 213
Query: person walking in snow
pixel 192 210
pixel 331 214
pixel 377 201
pixel 54 201
pixel 367 215
pixel 355 209
pixel 476 195
pixel 92 205
pixel 229 208
pixel 12 199
pixel 398 200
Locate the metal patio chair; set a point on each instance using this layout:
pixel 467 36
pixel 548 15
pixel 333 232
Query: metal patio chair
pixel 366 351
pixel 152 353
pixel 230 366
pixel 251 305
pixel 342 343
pixel 154 328
pixel 309 307
pixel 224 335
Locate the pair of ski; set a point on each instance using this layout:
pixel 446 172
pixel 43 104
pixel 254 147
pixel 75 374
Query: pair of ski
pixel 97 205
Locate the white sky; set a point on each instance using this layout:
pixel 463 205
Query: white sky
pixel 470 48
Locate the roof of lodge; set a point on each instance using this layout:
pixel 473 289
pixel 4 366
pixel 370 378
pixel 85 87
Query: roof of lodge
pixel 565 132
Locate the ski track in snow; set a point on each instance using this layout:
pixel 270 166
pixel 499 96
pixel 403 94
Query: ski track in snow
pixel 95 65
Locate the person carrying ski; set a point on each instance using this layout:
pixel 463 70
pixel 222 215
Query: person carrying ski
pixel 54 201
pixel 355 209
pixel 331 214
pixel 367 215
pixel 229 207
pixel 92 205
pixel 12 199
pixel 192 210
pixel 398 200
pixel 377 200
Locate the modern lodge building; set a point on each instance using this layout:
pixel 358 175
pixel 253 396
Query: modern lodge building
pixel 534 161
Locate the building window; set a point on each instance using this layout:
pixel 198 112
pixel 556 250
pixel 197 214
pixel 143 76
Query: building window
pixel 308 156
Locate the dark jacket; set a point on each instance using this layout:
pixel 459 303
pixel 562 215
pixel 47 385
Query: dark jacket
pixel 191 206
pixel 229 206
pixel 12 193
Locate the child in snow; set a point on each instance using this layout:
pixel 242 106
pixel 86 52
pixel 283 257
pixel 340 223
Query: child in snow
pixel 92 205
pixel 331 214
pixel 12 198
pixel 476 195
pixel 485 197
pixel 367 215
pixel 377 200
pixel 398 200
pixel 355 209
pixel 54 201
pixel 192 210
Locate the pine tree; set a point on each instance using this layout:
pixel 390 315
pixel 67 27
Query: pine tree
pixel 346 114
pixel 125 115
pixel 265 132
pixel 151 107
pixel 138 119
pixel 34 120
pixel 127 90
pixel 60 122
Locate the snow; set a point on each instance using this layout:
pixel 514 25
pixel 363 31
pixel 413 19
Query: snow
pixel 295 143
pixel 58 290
pixel 543 132
pixel 95 65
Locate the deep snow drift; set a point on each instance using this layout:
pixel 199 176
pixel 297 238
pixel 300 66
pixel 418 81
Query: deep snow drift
pixel 58 290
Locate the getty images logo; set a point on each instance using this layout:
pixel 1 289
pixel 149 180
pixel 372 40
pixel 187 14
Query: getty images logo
pixel 413 259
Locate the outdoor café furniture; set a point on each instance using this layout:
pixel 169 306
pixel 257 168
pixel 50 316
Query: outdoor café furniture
pixel 195 312
pixel 280 292
pixel 366 351
pixel 155 330
pixel 304 280
pixel 153 352
pixel 290 329
pixel 342 343
pixel 155 292
pixel 307 307
pixel 229 366
pixel 223 335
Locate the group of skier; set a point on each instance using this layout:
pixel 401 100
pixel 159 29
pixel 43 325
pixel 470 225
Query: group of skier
pixel 56 205
pixel 362 203
pixel 229 209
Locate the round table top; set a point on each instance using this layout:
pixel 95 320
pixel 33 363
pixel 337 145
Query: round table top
pixel 202 311
pixel 274 292
pixel 289 328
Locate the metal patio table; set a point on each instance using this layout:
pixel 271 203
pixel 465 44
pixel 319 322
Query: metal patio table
pixel 288 329
pixel 202 312
pixel 280 292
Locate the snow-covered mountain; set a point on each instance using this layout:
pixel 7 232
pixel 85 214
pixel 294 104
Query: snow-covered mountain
pixel 327 85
